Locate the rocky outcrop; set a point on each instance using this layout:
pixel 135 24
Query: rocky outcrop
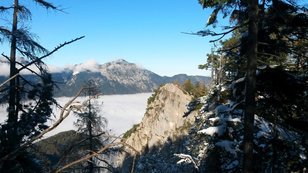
pixel 162 125
pixel 163 120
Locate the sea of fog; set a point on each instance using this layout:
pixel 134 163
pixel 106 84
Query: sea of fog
pixel 121 112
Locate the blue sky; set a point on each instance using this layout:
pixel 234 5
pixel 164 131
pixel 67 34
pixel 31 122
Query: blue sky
pixel 148 33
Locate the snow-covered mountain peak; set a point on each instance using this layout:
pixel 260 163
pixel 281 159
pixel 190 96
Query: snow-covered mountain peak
pixel 127 73
pixel 120 63
pixel 116 77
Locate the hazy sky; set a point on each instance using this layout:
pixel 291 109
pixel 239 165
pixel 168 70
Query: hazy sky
pixel 148 33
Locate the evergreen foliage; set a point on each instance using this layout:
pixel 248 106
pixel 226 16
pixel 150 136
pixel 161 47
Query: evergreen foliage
pixel 29 101
pixel 130 131
pixel 197 90
pixel 25 120
pixel 280 94
pixel 92 124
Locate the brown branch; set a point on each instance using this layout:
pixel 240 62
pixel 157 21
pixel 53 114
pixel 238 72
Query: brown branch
pixel 50 53
pixel 73 146
pixel 63 114
pixel 108 165
pixel 87 157
pixel 211 33
pixel 229 49
pixel 267 54
pixel 9 80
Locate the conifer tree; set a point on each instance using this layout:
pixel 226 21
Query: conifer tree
pixel 29 100
pixel 91 123
pixel 280 24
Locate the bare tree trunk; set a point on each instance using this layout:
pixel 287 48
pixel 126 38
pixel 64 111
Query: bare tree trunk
pixel 250 86
pixel 13 112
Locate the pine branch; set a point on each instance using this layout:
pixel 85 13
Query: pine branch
pixel 3 8
pixel 205 33
pixel 46 4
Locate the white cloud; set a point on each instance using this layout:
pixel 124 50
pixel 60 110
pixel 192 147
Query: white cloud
pixel 26 71
pixel 55 69
pixel 5 69
pixel 121 111
pixel 90 65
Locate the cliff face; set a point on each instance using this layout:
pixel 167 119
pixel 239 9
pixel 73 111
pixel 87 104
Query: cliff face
pixel 163 120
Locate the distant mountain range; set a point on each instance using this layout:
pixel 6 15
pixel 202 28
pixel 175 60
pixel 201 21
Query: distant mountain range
pixel 116 77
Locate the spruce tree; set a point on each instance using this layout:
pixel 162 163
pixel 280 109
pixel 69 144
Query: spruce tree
pixel 92 125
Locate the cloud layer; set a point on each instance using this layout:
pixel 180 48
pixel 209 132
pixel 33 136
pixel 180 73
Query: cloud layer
pixel 121 111
pixel 89 65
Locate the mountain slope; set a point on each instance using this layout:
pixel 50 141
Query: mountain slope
pixel 116 77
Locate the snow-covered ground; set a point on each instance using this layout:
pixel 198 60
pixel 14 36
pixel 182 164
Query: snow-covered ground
pixel 121 111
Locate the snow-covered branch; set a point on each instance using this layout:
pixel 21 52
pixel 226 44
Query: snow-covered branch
pixel 185 158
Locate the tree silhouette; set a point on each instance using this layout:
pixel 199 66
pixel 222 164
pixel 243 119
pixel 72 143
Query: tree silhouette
pixel 29 98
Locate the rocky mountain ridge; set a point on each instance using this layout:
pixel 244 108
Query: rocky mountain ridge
pixel 119 77
pixel 116 77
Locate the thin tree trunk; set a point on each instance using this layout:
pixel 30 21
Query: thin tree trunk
pixel 89 124
pixel 13 113
pixel 250 86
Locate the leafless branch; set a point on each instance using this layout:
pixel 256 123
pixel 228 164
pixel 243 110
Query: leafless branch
pixel 2 8
pixel 73 146
pixel 212 33
pixel 229 49
pixel 63 114
pixel 50 53
pixel 268 54
pixel 87 157
pixel 21 65
pixel 9 80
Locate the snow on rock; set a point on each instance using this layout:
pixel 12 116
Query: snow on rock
pixel 217 130
pixel 187 159
pixel 214 120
